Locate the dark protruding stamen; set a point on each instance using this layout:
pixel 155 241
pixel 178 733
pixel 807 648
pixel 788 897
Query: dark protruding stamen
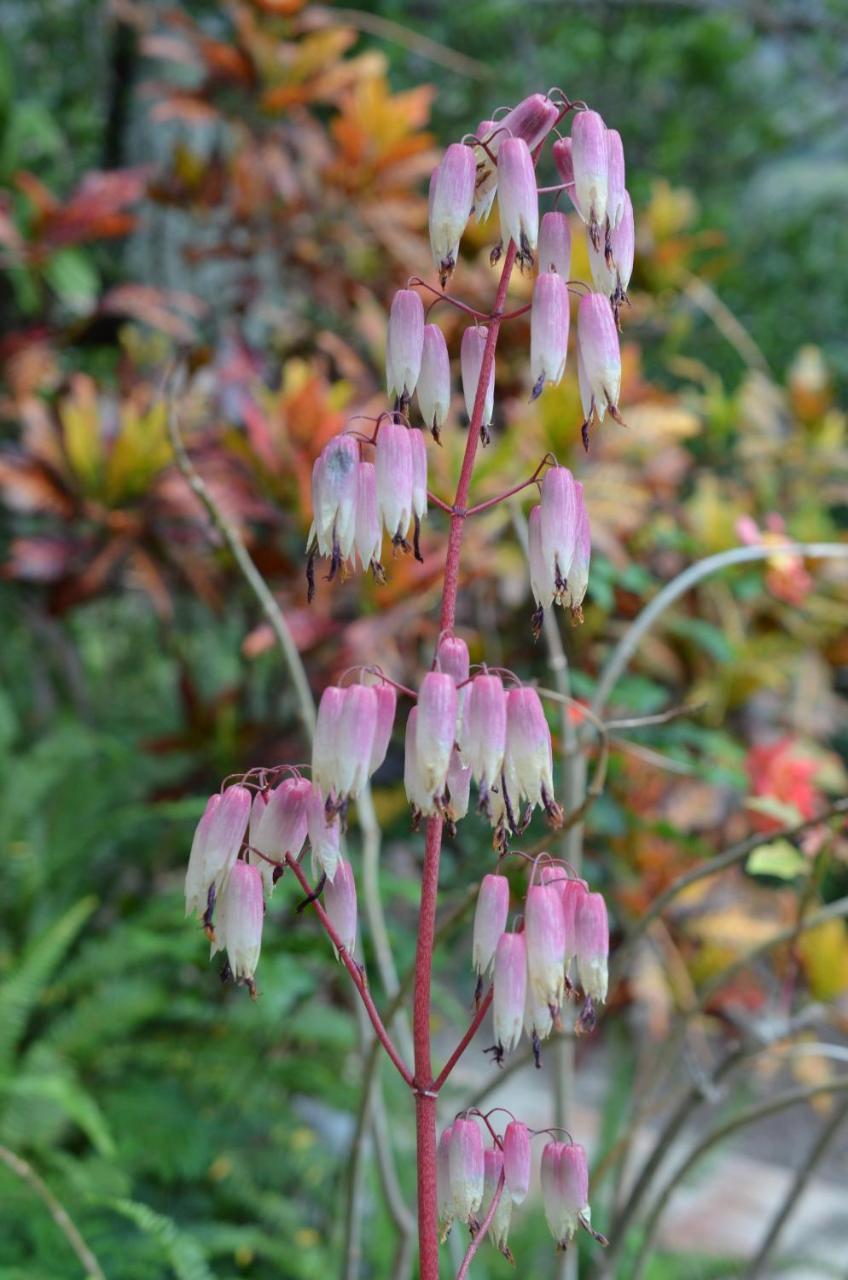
pixel 416 541
pixel 536 1045
pixel 313 896
pixel 310 577
pixel 497 1052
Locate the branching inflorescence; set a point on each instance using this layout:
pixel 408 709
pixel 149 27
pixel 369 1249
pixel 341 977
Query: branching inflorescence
pixel 465 724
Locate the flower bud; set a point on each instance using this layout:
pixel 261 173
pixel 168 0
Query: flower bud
pixel 517 1161
pixel 490 916
pixel 238 929
pixel 386 696
pixel 418 447
pixel 493 1167
pixel 615 178
pixel 528 760
pixel 434 381
pixel 340 905
pixel 324 742
pixel 549 317
pixel 589 159
pixel 466 1168
pixel 510 989
pixel 395 480
pixel 435 731
pixel 565 1189
pixel 573 891
pixel 280 827
pixel 518 200
pixel 599 351
pixel 545 930
pixel 542 575
pixel 532 120
pixel 216 846
pixel 452 658
pixel 443 1188
pixel 325 835
pixel 344 737
pixel 555 244
pixel 612 264
pixel 452 199
pixel 404 344
pixel 422 800
pixel 562 153
pixel 334 494
pixel 484 731
pixel 471 361
pixel 458 788
pixel 592 936
pixel 558 520
pixel 369 534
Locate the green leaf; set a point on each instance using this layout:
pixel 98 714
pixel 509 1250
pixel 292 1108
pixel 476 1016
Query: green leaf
pixel 183 1253
pixel 786 814
pixel 780 859
pixel 72 276
pixel 72 1100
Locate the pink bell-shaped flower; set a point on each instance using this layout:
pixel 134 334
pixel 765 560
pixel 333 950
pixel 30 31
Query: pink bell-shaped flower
pixel 572 894
pixel 280 828
pixel 549 318
pixel 542 572
pixel 325 835
pixel 443 1186
pixel 532 120
pixel 555 244
pixel 600 356
pixel 565 1189
pixel 490 916
pixel 238 929
pixel 592 936
pixel 418 447
pixel 215 847
pixel 386 696
pixel 510 990
pixel 579 576
pixel 344 736
pixel 368 537
pixel 334 497
pixel 395 480
pixel 562 154
pixel 434 380
pixel 615 178
pixel 466 1168
pixel 423 801
pixel 517 1160
pixel 559 521
pixel 528 760
pixel 489 132
pixel 457 789
pixel 538 1021
pixel 452 199
pixel 484 732
pixel 493 1167
pixel 591 169
pixel 340 905
pixel 471 361
pixel 435 731
pixel 404 344
pixel 518 199
pixel 452 658
pixel 612 264
pixel 545 930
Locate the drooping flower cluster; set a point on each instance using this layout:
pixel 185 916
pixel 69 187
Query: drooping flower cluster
pixel 470 1174
pixel 562 947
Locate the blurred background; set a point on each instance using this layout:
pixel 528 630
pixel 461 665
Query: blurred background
pixel 244 185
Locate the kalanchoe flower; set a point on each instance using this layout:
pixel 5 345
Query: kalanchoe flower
pixel 528 759
pixel 579 576
pixel 518 199
pixel 457 789
pixel 435 730
pixel 562 154
pixel 517 1160
pixel 280 827
pixel 443 1186
pixel 466 1169
pixel 542 575
pixel 451 201
pixel 532 121
pixel 215 847
pixel 334 496
pixel 489 132
pixel 325 835
pixel 558 524
pixel 538 1022
pixel 471 361
pixel 434 383
pixel 510 990
pixel 573 892
pixel 493 1167
pixel 423 801
pixel 344 736
pixel 386 696
pixel 555 244
pixel 615 178
pixel 545 930
pixel 395 480
pixel 549 317
pixel 489 920
pixel 600 358
pixel 565 1189
pixel 452 657
pixel 591 168
pixel 418 449
pixel 340 905
pixel 368 536
pixel 483 739
pixel 239 926
pixel 592 939
pixel 612 265
pixel 404 344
